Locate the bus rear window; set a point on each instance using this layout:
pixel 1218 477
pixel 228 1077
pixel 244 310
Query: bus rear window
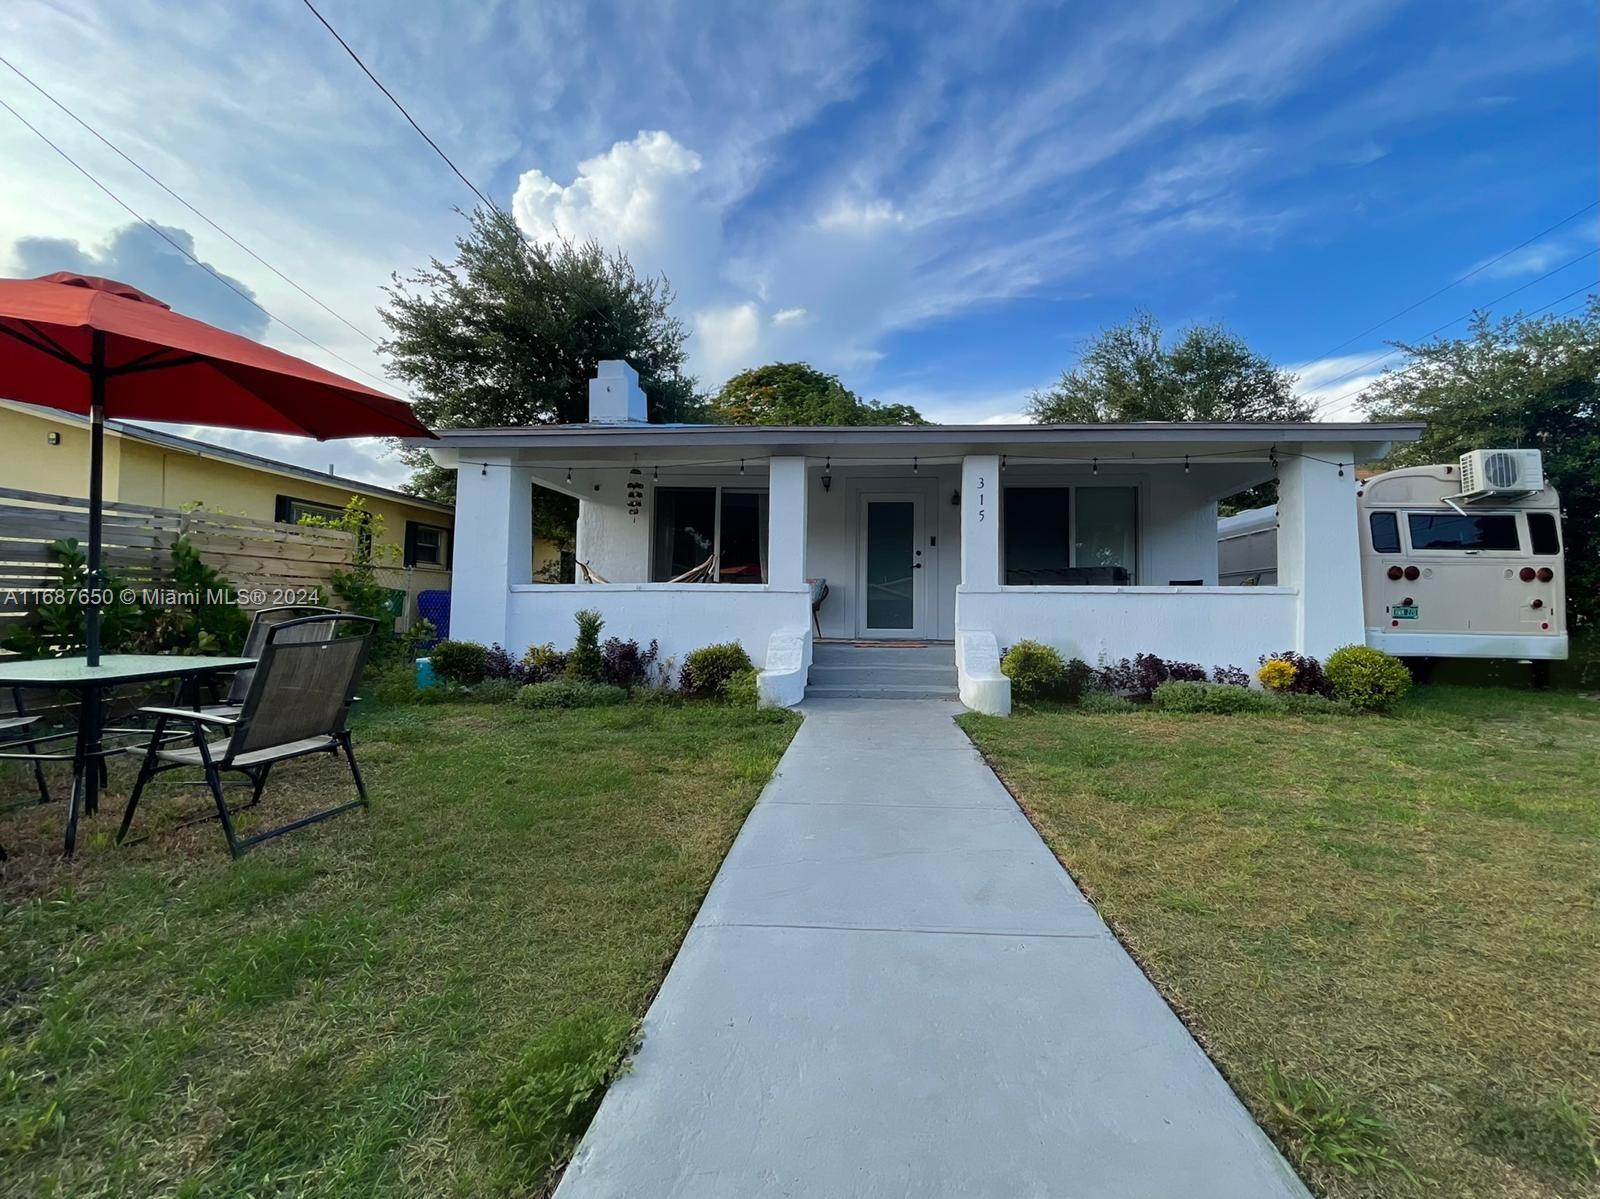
pixel 1385 532
pixel 1542 532
pixel 1451 531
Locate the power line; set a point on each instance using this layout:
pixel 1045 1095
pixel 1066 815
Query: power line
pixel 1534 312
pixel 182 249
pixel 117 150
pixel 1457 320
pixel 1462 279
pixel 487 203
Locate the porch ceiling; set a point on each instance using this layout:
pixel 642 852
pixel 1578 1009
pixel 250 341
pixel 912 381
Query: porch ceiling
pixel 602 444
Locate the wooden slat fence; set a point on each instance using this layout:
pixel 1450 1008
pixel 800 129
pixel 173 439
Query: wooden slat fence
pixel 261 558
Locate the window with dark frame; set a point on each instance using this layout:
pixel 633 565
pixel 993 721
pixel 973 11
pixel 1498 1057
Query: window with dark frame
pixel 690 523
pixel 1078 536
pixel 1385 528
pixel 427 545
pixel 289 510
pixel 1544 533
pixel 1463 531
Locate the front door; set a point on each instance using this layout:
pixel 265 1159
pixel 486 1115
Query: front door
pixel 892 570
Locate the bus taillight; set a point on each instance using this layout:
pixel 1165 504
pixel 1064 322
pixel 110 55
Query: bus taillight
pixel 1396 573
pixel 1413 573
pixel 1546 574
pixel 1527 574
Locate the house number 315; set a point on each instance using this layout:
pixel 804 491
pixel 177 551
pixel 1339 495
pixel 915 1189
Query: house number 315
pixel 983 514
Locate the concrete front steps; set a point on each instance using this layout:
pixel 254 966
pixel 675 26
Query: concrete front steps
pixel 882 670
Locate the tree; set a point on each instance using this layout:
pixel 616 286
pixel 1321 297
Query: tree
pixel 794 393
pixel 1517 382
pixel 1128 374
pixel 510 332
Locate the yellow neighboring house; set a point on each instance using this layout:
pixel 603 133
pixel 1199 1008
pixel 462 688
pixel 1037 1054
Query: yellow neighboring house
pixel 48 451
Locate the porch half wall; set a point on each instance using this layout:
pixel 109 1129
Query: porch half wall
pixel 1214 626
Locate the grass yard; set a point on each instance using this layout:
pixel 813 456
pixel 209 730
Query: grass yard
pixel 341 1012
pixel 1386 930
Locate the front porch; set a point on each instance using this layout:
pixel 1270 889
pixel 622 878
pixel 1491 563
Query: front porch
pixel 1097 539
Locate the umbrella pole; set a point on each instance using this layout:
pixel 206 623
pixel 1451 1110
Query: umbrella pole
pixel 97 454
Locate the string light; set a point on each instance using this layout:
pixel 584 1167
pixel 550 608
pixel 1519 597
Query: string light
pixel 741 466
pixel 655 474
pixel 915 467
pixel 1096 468
pixel 569 474
pixel 1186 464
pixel 1002 463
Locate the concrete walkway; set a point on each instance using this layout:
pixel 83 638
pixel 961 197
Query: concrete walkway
pixel 893 989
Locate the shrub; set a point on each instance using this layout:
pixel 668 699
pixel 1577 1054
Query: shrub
pixel 1295 704
pixel 1276 674
pixel 1230 676
pixel 542 663
pixel 706 671
pixel 585 662
pixel 1077 677
pixel 741 691
pixel 624 664
pixel 1309 677
pixel 1106 701
pixel 498 664
pixel 1140 677
pixel 1178 695
pixel 1367 678
pixel 496 691
pixel 1034 670
pixel 459 661
pixel 542 1105
pixel 570 693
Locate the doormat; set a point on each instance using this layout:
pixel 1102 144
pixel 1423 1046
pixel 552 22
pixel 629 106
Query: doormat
pixel 890 644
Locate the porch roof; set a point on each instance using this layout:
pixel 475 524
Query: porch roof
pixel 1147 439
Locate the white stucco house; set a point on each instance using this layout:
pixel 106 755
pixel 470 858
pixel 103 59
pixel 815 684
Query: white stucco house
pixel 1100 540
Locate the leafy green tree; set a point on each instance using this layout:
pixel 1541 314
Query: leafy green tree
pixel 510 332
pixel 794 393
pixel 1129 372
pixel 1517 382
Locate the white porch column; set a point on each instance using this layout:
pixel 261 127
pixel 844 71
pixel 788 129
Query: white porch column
pixel 980 521
pixel 786 522
pixel 493 546
pixel 1319 549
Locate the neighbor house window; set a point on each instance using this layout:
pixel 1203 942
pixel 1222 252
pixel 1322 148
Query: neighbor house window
pixel 427 545
pixel 289 511
pixel 1455 531
pixel 692 523
pixel 1070 536
pixel 1385 532
pixel 1543 534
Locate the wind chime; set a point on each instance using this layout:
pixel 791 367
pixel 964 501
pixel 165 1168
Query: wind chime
pixel 635 493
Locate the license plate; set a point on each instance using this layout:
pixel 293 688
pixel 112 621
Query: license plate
pixel 1403 611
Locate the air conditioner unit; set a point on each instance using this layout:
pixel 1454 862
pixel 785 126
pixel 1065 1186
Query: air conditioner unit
pixel 1486 473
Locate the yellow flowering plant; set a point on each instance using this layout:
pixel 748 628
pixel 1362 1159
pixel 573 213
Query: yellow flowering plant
pixel 1276 674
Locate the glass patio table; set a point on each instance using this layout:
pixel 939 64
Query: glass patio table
pixel 76 675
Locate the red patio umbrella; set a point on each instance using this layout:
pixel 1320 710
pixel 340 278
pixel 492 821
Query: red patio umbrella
pixel 102 348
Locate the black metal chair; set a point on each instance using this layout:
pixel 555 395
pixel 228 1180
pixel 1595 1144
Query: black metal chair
pixel 261 624
pixel 297 703
pixel 19 741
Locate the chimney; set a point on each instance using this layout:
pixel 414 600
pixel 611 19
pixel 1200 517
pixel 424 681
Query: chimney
pixel 614 395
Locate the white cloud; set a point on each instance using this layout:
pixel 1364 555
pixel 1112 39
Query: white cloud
pixel 1335 384
pixel 788 316
pixel 726 339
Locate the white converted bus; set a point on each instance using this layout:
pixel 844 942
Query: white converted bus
pixel 1457 561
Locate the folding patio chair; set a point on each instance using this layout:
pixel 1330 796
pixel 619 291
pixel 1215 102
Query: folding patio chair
pixel 296 704
pixel 19 736
pixel 262 623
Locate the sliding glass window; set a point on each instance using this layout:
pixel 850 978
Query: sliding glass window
pixel 693 524
pixel 1070 536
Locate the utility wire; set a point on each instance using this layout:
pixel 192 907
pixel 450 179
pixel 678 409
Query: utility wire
pixel 1353 371
pixel 120 153
pixel 178 246
pixel 1462 279
pixel 487 203
pixel 1535 312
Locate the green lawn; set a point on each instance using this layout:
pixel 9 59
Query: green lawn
pixel 326 1016
pixel 1385 930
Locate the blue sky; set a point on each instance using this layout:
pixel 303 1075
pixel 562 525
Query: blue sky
pixel 938 201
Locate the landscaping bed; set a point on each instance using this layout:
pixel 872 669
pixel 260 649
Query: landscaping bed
pixel 395 1002
pixel 1384 929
